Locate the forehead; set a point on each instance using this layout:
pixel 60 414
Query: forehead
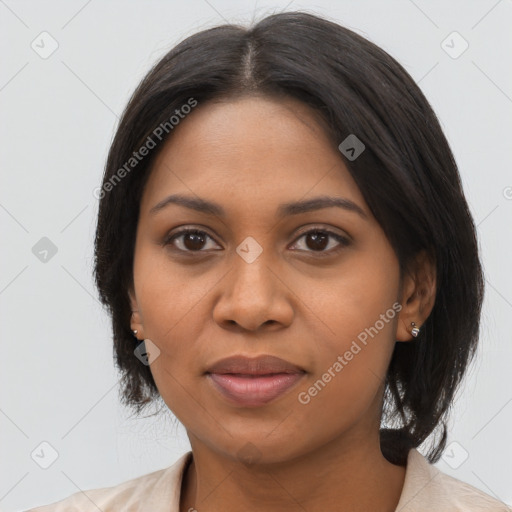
pixel 254 148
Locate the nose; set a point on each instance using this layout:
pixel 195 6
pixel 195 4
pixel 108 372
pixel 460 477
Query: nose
pixel 254 295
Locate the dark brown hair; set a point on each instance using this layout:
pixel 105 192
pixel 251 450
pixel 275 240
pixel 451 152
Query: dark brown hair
pixel 407 176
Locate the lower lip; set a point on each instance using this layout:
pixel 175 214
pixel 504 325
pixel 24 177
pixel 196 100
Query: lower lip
pixel 253 391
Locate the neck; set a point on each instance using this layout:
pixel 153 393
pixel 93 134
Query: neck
pixel 338 476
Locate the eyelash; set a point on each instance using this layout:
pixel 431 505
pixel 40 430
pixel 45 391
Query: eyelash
pixel 343 241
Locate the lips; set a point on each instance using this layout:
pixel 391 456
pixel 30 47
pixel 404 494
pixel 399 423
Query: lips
pixel 253 382
pixel 261 365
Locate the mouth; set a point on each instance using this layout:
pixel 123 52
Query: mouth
pixel 253 382
pixel 249 390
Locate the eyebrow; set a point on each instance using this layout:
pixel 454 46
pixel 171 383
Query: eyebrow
pixel 285 209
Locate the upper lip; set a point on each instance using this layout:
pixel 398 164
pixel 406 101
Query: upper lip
pixel 260 365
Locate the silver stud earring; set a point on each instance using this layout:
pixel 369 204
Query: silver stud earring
pixel 415 330
pixel 135 332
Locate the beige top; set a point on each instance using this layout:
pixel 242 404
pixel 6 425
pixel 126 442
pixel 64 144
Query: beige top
pixel 425 489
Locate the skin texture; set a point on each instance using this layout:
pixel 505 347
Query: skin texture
pixel 297 300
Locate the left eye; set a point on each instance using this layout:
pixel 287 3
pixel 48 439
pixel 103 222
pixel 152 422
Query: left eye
pixel 318 240
pixel 195 240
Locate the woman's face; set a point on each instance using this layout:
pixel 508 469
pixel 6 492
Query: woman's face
pixel 254 282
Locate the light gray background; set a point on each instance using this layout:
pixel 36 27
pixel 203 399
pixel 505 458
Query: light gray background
pixel 58 383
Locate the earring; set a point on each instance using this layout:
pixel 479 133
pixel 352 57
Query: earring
pixel 415 330
pixel 135 332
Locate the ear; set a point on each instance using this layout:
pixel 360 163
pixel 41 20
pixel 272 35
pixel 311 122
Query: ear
pixel 418 294
pixel 136 318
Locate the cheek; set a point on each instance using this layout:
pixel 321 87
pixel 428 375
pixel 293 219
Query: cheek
pixel 353 302
pixel 355 321
pixel 355 364
pixel 168 295
pixel 345 390
pixel 173 303
pixel 168 306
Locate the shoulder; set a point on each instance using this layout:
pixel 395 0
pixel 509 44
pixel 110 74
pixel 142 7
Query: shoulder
pixel 428 488
pixel 146 492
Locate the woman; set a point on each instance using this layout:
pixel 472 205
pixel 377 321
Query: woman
pixel 290 263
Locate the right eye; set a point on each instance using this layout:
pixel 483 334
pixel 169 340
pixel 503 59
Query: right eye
pixel 188 240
